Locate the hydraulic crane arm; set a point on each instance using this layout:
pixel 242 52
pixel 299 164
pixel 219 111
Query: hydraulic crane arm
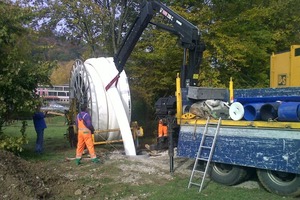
pixel 188 34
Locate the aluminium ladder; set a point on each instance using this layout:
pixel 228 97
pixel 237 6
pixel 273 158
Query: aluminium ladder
pixel 199 156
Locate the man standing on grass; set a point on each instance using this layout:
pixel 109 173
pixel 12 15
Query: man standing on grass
pixel 39 125
pixel 85 131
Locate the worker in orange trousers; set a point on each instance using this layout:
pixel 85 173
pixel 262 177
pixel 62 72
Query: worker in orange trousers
pixel 85 131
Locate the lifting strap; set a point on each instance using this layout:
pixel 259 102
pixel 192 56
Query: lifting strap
pixel 113 81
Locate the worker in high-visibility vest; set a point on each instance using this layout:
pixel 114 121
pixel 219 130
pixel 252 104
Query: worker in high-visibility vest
pixel 85 131
pixel 162 133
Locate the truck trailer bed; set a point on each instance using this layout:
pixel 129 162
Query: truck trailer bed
pixel 264 145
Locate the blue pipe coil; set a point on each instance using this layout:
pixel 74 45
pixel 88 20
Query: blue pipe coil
pixel 289 112
pixel 269 111
pixel 252 111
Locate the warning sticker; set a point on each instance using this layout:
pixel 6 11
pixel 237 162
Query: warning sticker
pixel 282 79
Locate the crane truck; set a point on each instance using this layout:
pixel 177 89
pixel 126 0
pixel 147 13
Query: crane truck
pixel 270 148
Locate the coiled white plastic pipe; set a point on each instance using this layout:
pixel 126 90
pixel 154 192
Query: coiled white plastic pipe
pixel 109 109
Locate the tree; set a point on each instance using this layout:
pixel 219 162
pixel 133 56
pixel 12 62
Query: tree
pixel 241 36
pixel 61 75
pixel 98 24
pixel 155 62
pixel 22 66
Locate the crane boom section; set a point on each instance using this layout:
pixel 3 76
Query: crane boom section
pixel 188 34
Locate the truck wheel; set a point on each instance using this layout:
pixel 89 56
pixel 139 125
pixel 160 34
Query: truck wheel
pixel 227 174
pixel 280 182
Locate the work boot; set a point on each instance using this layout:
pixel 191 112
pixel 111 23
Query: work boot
pixel 95 160
pixel 77 160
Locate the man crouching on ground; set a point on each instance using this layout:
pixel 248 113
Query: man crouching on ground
pixel 85 131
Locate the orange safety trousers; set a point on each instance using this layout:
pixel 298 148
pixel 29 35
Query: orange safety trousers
pixel 162 130
pixel 84 139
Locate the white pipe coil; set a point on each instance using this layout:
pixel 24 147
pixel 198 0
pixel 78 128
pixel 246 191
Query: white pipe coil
pixel 109 109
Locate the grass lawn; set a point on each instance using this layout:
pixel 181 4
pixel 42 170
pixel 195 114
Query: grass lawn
pixel 107 186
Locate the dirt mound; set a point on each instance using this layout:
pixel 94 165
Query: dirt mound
pixel 20 179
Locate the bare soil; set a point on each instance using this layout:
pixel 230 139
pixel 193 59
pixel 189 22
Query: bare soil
pixel 21 179
pixel 62 179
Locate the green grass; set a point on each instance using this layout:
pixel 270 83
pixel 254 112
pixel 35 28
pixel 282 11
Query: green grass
pixel 54 138
pixel 57 148
pixel 177 190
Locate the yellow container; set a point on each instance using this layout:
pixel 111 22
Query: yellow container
pixel 285 68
